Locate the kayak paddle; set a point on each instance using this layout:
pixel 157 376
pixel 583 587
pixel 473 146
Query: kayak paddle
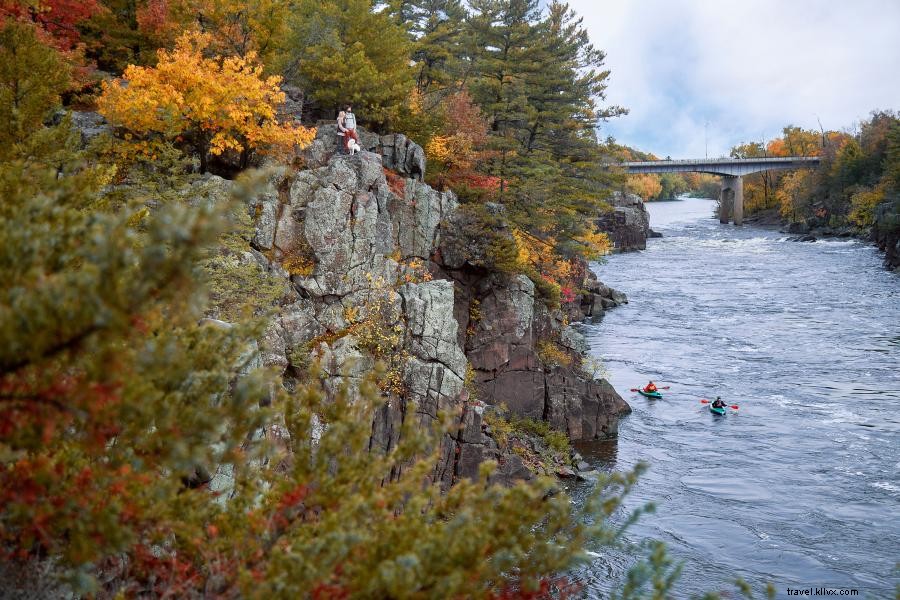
pixel 662 387
pixel 705 401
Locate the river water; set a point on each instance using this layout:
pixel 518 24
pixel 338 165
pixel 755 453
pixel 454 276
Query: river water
pixel 801 485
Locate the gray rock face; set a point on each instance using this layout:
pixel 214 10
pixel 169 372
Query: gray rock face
pixel 504 345
pixel 89 124
pixel 360 252
pixel 628 224
pixel 886 232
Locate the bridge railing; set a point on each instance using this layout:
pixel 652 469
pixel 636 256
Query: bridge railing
pixel 718 161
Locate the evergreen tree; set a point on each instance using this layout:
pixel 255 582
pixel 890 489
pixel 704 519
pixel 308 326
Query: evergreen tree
pixel 32 78
pixel 436 29
pixel 342 51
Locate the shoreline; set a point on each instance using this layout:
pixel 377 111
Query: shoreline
pixel 771 220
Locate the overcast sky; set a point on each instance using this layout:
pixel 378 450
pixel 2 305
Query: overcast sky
pixel 746 67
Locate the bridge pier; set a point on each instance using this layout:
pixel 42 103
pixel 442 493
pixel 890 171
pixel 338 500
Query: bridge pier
pixel 731 199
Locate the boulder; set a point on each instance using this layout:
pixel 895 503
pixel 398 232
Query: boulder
pixel 291 110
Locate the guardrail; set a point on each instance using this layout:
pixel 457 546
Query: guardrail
pixel 718 161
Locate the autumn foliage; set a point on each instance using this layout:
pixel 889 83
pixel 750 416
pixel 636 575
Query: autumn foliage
pixel 57 19
pixel 216 105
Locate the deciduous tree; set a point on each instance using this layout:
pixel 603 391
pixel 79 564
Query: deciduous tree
pixel 214 104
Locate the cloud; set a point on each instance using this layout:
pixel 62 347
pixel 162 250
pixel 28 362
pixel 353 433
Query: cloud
pixel 747 68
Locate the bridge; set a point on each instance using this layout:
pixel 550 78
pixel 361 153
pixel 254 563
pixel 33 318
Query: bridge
pixel 732 171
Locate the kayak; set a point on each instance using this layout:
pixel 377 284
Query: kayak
pixel 717 411
pixel 650 394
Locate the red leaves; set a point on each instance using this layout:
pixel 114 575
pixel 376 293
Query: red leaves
pixel 58 18
pixel 294 497
pixel 329 591
pixel 396 183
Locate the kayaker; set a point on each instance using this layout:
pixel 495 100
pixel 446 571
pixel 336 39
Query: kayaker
pixel 651 387
pixel 718 403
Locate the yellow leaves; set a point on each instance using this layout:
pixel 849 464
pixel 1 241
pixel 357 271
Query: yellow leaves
pixel 539 254
pixel 596 244
pixel 222 104
pixel 863 203
pixel 646 186
pixel 455 151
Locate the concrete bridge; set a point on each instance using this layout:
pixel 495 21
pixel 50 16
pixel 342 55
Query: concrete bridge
pixel 732 171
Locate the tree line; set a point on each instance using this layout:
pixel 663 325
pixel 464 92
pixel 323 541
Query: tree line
pixel 859 169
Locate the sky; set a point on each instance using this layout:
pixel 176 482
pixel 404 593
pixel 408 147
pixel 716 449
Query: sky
pixel 701 76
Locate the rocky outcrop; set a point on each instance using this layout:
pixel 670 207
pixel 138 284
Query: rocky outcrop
pixel 291 110
pixel 627 224
pixel 886 232
pixel 525 356
pixel 88 124
pixel 398 152
pixel 596 299
pixel 390 269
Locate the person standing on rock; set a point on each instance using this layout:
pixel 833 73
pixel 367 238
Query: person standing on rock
pixel 346 123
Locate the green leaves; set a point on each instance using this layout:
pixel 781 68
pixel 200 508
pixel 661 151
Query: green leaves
pixel 342 51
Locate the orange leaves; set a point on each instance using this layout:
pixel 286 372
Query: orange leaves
pixel 538 254
pixel 57 18
pixel 457 149
pixel 776 147
pixel 218 104
pixel 396 183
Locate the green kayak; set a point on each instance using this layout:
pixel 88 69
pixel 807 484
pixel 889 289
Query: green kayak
pixel 717 411
pixel 650 394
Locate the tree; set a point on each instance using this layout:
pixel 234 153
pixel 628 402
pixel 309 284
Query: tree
pixel 59 20
pixel 235 29
pixel 214 104
pixel 114 37
pixel 646 185
pixel 436 30
pixel 32 78
pixel 343 51
pixel 455 150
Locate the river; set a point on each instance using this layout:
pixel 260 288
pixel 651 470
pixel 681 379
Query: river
pixel 801 485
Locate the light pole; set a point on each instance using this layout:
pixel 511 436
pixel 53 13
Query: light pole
pixel 706 138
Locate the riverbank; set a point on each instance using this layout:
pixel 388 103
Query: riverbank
pixel 882 234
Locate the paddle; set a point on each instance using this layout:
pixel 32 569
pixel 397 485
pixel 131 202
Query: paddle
pixel 705 401
pixel 662 387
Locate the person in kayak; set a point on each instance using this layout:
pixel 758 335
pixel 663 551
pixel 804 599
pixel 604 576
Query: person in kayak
pixel 650 388
pixel 718 403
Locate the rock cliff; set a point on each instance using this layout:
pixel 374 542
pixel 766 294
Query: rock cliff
pixel 628 224
pixel 380 266
pixel 886 232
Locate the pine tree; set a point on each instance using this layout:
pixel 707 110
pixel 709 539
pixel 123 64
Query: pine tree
pixel 32 78
pixel 436 29
pixel 342 51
